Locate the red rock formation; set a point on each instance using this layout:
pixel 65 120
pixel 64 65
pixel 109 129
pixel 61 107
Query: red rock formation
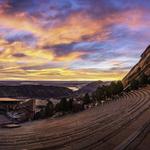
pixel 143 66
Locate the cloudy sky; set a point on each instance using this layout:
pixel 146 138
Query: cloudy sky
pixel 71 39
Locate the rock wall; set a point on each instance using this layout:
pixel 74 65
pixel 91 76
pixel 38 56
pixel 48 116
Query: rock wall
pixel 143 66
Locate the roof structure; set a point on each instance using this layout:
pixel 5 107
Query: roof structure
pixel 9 100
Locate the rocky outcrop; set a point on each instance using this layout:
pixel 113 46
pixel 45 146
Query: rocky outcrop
pixel 143 66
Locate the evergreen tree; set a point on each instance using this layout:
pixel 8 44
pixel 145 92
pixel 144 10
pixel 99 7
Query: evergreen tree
pixel 99 94
pixel 64 105
pixel 119 87
pixel 143 79
pixel 86 99
pixel 49 109
pixel 57 107
pixel 134 84
pixel 70 104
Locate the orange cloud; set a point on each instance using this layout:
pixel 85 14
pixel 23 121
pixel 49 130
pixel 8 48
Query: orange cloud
pixel 71 30
pixel 60 74
pixel 20 22
pixel 74 28
pixel 12 67
pixel 70 57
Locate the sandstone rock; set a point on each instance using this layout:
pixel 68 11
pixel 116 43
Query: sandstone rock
pixel 143 66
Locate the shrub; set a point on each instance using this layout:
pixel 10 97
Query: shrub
pixel 143 79
pixel 86 99
pixel 134 84
pixel 49 110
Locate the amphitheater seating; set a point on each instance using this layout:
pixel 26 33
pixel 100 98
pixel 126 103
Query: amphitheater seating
pixel 116 125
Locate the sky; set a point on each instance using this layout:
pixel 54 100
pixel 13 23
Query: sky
pixel 72 39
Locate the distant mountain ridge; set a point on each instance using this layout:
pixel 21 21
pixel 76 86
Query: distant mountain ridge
pixel 91 87
pixel 34 91
pixel 77 84
pixel 143 66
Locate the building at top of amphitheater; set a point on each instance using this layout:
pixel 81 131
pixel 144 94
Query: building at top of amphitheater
pixel 143 66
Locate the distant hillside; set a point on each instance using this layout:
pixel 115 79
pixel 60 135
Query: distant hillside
pixel 34 91
pixel 91 87
pixel 68 84
pixel 143 66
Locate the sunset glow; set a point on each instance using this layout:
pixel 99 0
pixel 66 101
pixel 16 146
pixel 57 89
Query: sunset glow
pixel 71 39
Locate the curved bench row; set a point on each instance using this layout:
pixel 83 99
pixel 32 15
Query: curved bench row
pixel 99 125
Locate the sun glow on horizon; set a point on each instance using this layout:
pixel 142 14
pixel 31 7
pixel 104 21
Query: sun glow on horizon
pixel 71 40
